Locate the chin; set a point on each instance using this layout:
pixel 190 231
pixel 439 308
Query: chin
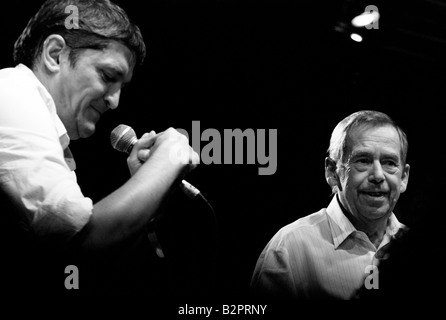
pixel 87 131
pixel 379 213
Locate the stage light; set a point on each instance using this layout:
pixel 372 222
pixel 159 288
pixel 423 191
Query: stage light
pixel 365 18
pixel 356 37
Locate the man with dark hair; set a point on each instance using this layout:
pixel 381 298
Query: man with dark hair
pixel 330 254
pixel 83 25
pixel 66 77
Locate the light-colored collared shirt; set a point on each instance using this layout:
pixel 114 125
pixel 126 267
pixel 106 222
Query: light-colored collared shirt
pixel 320 256
pixel 36 172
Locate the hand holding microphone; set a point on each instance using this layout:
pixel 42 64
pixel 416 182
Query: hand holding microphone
pixel 167 147
pixel 159 148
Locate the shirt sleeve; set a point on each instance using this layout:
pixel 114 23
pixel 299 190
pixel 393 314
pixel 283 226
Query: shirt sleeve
pixel 272 277
pixel 33 171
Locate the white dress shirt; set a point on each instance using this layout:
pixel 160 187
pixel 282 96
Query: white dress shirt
pixel 34 173
pixel 320 256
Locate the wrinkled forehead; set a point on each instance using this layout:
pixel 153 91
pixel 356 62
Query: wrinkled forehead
pixel 368 137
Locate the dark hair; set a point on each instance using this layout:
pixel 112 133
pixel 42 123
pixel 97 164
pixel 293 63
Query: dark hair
pixel 99 23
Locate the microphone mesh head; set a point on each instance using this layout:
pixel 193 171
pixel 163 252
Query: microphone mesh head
pixel 123 138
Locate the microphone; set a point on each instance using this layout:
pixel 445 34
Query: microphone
pixel 123 138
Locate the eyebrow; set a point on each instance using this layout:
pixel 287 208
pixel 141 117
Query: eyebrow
pixel 356 154
pixel 118 71
pixel 364 153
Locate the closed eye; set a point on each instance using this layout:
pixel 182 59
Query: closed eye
pixel 107 78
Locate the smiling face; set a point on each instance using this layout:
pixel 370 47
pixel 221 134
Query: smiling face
pixel 84 92
pixel 373 176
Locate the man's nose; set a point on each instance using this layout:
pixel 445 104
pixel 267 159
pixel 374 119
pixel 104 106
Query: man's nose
pixel 376 172
pixel 112 99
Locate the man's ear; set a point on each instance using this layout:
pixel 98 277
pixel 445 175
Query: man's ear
pixel 330 173
pixel 53 47
pixel 404 178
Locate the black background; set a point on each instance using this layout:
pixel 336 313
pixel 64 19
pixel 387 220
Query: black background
pixel 271 65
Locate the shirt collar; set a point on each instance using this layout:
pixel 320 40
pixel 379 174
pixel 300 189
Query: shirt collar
pixel 46 96
pixel 341 227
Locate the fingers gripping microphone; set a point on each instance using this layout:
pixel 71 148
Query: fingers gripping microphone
pixel 123 138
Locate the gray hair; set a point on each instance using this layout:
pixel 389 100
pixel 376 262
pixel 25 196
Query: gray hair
pixel 338 149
